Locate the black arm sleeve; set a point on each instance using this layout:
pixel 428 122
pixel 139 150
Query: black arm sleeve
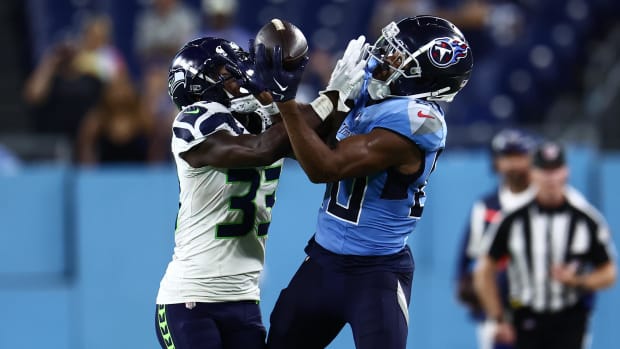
pixel 601 244
pixel 500 234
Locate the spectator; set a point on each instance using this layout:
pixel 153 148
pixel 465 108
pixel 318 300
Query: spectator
pixel 561 252
pixel 69 79
pixel 117 130
pixel 162 29
pixel 467 15
pixel 220 21
pixel 160 109
pixel 98 56
pixel 389 10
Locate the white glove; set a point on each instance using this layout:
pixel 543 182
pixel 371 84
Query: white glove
pixel 348 74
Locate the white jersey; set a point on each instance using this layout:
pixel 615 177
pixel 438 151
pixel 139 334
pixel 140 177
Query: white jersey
pixel 481 215
pixel 223 217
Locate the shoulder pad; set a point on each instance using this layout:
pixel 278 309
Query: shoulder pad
pixel 202 119
pixel 428 128
pixel 420 121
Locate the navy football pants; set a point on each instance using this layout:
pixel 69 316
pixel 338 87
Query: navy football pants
pixel 230 325
pixel 318 302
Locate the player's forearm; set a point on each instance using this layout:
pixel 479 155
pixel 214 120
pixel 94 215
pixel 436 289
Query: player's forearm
pixel 263 149
pixel 272 144
pixel 310 150
pixel 223 150
pixel 325 129
pixel 486 288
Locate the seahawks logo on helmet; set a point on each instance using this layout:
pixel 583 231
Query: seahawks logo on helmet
pixel 446 52
pixel 175 80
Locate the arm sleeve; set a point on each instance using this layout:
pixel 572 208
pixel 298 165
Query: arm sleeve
pixel 602 248
pixel 495 243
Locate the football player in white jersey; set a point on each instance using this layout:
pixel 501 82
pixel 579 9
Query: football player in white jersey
pixel 227 152
pixel 228 158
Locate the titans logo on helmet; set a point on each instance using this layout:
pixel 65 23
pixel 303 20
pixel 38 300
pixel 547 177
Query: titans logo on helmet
pixel 446 52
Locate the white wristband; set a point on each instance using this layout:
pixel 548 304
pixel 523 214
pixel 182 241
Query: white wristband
pixel 322 106
pixel 271 109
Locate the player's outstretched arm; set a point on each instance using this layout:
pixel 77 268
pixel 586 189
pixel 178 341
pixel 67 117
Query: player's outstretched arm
pixel 354 156
pixel 225 150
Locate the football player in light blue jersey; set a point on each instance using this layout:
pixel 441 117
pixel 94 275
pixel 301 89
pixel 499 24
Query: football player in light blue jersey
pixel 383 206
pixel 359 268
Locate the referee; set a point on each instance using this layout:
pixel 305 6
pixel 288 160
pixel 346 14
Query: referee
pixel 560 251
pixel 511 154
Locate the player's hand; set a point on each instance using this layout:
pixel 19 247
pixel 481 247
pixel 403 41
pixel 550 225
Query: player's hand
pixel 566 274
pixel 282 83
pixel 348 74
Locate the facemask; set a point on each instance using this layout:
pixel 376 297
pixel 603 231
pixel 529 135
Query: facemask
pixel 378 89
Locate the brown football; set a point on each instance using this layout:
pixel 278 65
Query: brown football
pixel 279 32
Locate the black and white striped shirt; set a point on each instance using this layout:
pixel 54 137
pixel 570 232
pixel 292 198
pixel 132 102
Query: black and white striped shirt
pixel 535 239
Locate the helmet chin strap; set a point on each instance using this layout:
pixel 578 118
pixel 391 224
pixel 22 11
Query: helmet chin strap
pixel 378 89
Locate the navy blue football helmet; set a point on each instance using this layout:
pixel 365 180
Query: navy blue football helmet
pixel 435 60
pixel 195 71
pixel 512 141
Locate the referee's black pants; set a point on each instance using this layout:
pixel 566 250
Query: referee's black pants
pixel 564 329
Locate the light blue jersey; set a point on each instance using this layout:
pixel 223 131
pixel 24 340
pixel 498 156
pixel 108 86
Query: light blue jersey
pixel 374 215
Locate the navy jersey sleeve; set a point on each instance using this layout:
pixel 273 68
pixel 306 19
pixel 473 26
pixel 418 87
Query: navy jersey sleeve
pixel 602 249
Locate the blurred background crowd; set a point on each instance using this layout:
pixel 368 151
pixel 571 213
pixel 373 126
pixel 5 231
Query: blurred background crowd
pixel 84 81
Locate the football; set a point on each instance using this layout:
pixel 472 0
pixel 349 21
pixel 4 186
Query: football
pixel 279 32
